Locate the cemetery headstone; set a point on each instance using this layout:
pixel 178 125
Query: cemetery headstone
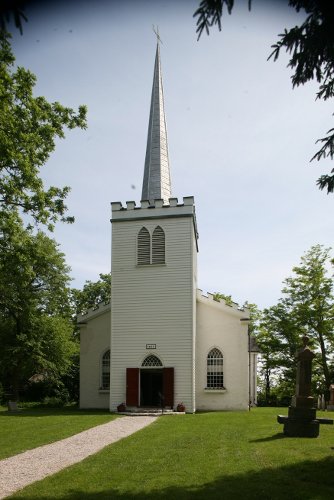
pixel 12 406
pixel 330 406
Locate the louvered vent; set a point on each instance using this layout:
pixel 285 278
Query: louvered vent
pixel 158 246
pixel 143 247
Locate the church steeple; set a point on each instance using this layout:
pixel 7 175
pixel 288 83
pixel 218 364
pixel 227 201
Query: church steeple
pixel 156 182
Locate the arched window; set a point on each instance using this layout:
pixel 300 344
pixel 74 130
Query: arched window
pixel 158 246
pixel 215 374
pixel 143 247
pixel 105 370
pixel 151 361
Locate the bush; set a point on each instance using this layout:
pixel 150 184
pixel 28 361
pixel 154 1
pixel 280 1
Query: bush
pixel 274 400
pixel 53 402
pixel 45 390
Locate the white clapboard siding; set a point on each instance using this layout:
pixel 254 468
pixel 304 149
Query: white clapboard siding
pixel 154 304
pixel 94 341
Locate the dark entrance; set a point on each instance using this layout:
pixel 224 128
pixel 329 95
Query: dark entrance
pixel 151 387
pixel 145 386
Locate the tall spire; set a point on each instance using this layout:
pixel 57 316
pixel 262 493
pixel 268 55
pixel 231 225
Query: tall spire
pixel 156 182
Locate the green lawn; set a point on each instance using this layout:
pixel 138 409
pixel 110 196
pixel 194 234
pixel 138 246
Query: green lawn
pixel 31 428
pixel 230 455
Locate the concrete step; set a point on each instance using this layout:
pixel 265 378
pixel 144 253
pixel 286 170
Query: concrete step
pixel 151 412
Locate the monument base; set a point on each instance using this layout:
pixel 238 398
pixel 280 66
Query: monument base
pixel 302 422
pixel 299 427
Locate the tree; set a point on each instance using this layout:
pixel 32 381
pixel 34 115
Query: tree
pixel 12 9
pixel 311 46
pixel 221 296
pixel 28 128
pixel 278 337
pixel 92 294
pixel 309 300
pixel 35 323
pixel 306 308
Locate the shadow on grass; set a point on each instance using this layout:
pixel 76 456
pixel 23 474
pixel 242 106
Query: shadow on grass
pixel 46 412
pixel 307 480
pixel 279 435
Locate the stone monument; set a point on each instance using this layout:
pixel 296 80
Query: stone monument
pixel 302 420
pixel 330 406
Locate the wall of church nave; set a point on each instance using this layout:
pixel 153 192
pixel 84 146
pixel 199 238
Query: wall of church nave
pixel 221 328
pixel 94 342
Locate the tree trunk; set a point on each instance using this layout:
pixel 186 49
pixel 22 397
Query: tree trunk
pixel 267 387
pixel 323 359
pixel 15 384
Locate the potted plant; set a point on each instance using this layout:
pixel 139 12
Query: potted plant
pixel 121 407
pixel 180 407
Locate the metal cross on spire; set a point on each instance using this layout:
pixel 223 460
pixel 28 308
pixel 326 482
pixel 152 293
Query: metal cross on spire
pixel 156 31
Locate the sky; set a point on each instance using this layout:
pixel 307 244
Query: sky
pixel 240 138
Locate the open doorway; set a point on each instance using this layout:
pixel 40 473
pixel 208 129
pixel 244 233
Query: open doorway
pixel 146 387
pixel 151 387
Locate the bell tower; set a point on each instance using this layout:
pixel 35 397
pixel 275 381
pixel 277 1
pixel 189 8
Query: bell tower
pixel 154 282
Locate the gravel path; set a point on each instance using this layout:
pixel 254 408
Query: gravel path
pixel 32 465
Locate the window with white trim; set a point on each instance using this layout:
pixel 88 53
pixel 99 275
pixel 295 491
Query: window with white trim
pixel 151 250
pixel 151 361
pixel 215 374
pixel 105 371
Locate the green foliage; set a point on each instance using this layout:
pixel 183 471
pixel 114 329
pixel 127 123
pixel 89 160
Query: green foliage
pixel 254 316
pixel 306 308
pixel 29 127
pixel 278 339
pixel 36 328
pixel 309 299
pixel 209 13
pixel 311 49
pixel 311 46
pixel 92 294
pixel 217 296
pixel 12 9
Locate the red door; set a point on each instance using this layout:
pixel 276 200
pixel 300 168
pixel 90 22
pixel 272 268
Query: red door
pixel 132 386
pixel 168 386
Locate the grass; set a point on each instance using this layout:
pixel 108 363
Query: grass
pixel 34 427
pixel 225 456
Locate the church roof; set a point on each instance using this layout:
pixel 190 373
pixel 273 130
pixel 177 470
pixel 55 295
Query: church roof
pixel 156 182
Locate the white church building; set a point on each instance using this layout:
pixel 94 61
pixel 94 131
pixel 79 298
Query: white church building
pixel 161 341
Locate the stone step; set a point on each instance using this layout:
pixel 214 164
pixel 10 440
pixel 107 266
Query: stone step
pixel 151 412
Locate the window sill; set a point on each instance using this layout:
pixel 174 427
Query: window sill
pixel 104 391
pixel 211 390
